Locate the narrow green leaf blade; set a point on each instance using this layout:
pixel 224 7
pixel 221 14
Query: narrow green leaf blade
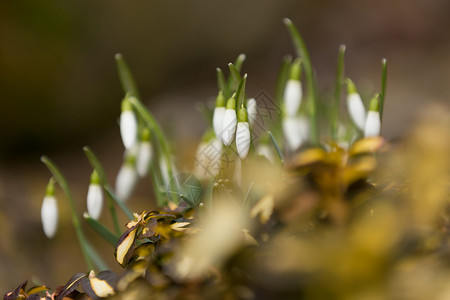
pixel 126 77
pixel 337 92
pixel 101 230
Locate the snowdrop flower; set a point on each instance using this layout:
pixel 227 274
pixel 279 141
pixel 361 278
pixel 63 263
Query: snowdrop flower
pixel 144 154
pixel 293 90
pixel 264 149
pixel 163 167
pixel 355 106
pixel 296 131
pixel 252 111
pixel 243 134
pixel 219 113
pixel 127 178
pixel 229 122
pixel 373 122
pixel 95 197
pixel 49 211
pixel 207 157
pixel 128 124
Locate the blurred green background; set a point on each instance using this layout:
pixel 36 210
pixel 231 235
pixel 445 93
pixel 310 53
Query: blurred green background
pixel 59 90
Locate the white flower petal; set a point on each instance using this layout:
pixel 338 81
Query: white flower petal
pixel 296 131
pixel 373 124
pixel 266 151
pixel 356 110
pixel 219 113
pixel 95 200
pixel 243 139
pixel 292 97
pixel 49 216
pixel 143 158
pixel 229 126
pixel 252 111
pixel 126 181
pixel 128 128
pixel 207 159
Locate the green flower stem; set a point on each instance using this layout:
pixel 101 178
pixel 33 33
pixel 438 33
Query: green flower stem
pixel 90 255
pixel 160 201
pixel 101 230
pixel 302 52
pixel 277 148
pixel 126 77
pixel 97 166
pixel 235 74
pixel 337 93
pixel 109 191
pixel 282 77
pixel 154 126
pixel 383 86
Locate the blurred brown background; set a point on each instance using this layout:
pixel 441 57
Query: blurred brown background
pixel 59 90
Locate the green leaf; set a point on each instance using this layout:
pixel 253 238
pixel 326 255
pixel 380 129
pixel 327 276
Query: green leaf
pixel 383 86
pixel 101 230
pixel 221 83
pixel 337 92
pixel 283 75
pixel 126 77
pixel 302 52
pixel 232 85
pixel 240 93
pixel 121 205
pixel 235 74
pixel 277 148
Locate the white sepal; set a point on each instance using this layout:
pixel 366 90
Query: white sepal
pixel 95 200
pixel 207 159
pixel 128 128
pixel 356 110
pixel 49 216
pixel 266 151
pixel 373 124
pixel 229 126
pixel 143 158
pixel 296 131
pixel 126 180
pixel 242 139
pixel 252 111
pixel 292 97
pixel 219 113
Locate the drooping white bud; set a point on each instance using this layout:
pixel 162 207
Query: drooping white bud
pixel 252 111
pixel 243 134
pixel 49 211
pixel 128 124
pixel 355 106
pixel 144 154
pixel 293 90
pixel 292 97
pixel 296 131
pixel 126 179
pixel 95 197
pixel 265 150
pixel 229 123
pixel 219 113
pixel 373 122
pixel 207 158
